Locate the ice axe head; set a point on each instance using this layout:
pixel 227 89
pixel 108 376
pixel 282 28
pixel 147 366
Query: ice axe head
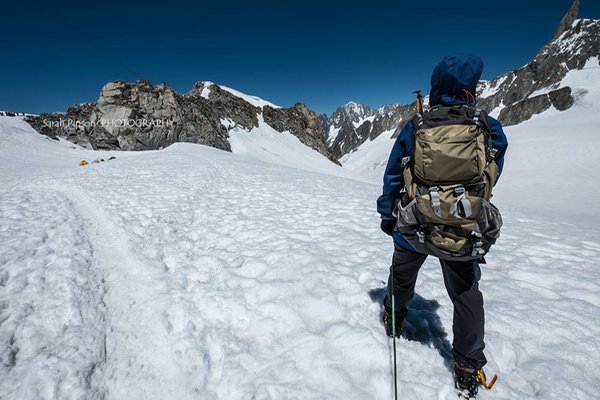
pixel 419 101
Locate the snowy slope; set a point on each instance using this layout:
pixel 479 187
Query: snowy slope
pixel 370 159
pixel 552 163
pixel 192 273
pixel 25 153
pixel 266 144
pixel 254 100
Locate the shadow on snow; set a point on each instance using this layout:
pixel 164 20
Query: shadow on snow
pixel 422 324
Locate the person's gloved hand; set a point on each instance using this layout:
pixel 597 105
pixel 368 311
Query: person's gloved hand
pixel 388 226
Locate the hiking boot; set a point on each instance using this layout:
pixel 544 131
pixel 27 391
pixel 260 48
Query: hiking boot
pixel 466 380
pixel 387 322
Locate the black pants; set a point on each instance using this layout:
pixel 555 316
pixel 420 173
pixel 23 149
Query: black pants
pixel 461 279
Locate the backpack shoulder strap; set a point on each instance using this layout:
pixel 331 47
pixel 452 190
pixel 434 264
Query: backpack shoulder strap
pixel 417 120
pixel 481 121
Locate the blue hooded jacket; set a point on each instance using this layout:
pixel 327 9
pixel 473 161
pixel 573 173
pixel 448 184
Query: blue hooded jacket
pixel 453 74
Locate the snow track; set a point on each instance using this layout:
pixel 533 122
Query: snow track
pixel 136 341
pixel 52 314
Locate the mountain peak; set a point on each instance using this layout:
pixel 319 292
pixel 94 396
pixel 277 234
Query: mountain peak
pixel 353 105
pixel 567 22
pixel 352 112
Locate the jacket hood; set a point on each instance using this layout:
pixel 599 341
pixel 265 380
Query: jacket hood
pixel 453 74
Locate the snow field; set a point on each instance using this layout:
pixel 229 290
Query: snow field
pixel 192 273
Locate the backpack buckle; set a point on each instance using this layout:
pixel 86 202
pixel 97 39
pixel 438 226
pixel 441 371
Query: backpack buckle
pixel 459 190
pixel 436 204
pixel 493 153
pixel 477 250
pixel 462 208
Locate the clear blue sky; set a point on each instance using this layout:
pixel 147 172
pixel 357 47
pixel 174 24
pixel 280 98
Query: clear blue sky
pixel 323 53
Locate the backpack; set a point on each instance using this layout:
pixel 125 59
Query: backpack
pixel 444 209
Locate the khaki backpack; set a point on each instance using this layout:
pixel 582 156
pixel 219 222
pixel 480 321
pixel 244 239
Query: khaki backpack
pixel 445 207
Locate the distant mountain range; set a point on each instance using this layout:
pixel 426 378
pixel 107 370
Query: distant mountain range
pixel 513 97
pixel 140 116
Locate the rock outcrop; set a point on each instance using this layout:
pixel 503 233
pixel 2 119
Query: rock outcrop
pixel 301 122
pixel 567 22
pixel 520 111
pixel 140 116
pixel 516 95
pixel 70 125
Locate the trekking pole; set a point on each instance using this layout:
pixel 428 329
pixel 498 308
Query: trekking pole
pixel 394 336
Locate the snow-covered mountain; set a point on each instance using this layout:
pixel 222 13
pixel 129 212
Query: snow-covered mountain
pixel 208 112
pixel 351 113
pixel 14 114
pixel 512 98
pixel 538 86
pixel 564 74
pixel 347 117
pixel 353 124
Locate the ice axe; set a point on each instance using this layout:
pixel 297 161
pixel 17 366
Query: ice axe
pixel 419 102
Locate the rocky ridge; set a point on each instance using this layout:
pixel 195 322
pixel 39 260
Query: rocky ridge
pixel 532 89
pixel 512 98
pixel 142 116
